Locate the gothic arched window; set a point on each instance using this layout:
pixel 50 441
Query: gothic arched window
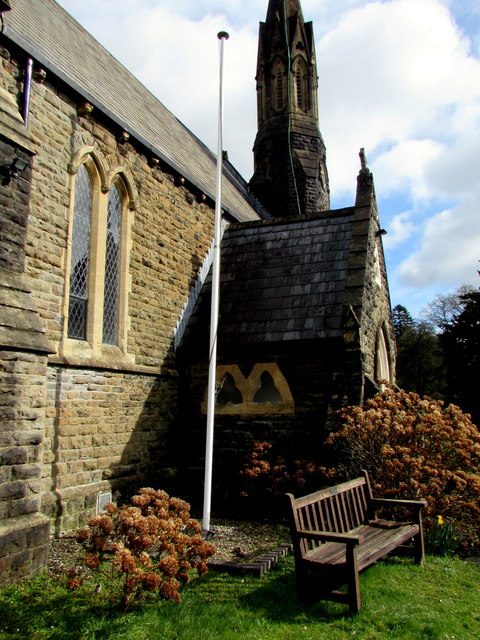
pixel 111 290
pixel 264 391
pixel 382 364
pixel 96 309
pixel 302 85
pixel 279 86
pixel 80 256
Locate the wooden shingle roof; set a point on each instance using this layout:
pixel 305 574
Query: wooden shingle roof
pixel 53 38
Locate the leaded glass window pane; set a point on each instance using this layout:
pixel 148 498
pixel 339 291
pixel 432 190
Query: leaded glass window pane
pixel 78 299
pixel 112 267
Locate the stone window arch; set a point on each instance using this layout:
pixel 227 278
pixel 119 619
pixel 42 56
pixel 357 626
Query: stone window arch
pixel 279 86
pixel 80 255
pixel 228 392
pixel 302 85
pixel 99 248
pixel 267 391
pixel 264 391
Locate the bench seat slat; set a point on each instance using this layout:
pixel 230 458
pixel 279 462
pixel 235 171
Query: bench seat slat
pixel 383 543
pixel 375 544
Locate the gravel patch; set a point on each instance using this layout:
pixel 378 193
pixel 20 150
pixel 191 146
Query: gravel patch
pixel 234 542
pixel 245 541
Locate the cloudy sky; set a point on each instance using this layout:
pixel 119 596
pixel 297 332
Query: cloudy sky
pixel 398 77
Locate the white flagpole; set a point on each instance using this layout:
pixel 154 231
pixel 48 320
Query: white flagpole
pixel 207 496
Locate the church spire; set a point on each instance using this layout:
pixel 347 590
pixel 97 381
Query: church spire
pixel 290 176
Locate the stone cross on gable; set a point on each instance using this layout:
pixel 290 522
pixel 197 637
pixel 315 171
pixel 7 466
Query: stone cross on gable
pixel 365 175
pixel 363 158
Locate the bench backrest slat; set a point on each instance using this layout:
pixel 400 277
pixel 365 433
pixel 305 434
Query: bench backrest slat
pixel 347 508
pixel 315 514
pixel 359 506
pixel 337 509
pixel 330 491
pixel 364 497
pixel 336 514
pixel 325 505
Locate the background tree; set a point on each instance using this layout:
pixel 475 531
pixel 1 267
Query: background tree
pixel 402 320
pixel 460 340
pixel 445 308
pixel 438 355
pixel 419 358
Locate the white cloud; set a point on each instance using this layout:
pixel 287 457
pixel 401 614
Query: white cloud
pixel 450 250
pixel 188 77
pixel 172 47
pixel 455 172
pixel 390 72
pixel 398 77
pixel 400 228
pixel 404 167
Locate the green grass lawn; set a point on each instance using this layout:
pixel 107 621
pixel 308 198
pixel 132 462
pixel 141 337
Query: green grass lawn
pixel 401 601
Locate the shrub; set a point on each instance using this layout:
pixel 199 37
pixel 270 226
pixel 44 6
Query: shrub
pixel 415 448
pixel 264 472
pixel 151 545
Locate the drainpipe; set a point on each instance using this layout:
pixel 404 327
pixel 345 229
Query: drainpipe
pixel 26 92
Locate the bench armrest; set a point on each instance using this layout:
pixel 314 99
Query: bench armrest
pixel 392 502
pixel 328 536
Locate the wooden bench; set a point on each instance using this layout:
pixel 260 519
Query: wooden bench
pixel 337 531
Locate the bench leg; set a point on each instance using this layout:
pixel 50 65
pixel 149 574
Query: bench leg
pixel 353 581
pixel 301 584
pixel 419 546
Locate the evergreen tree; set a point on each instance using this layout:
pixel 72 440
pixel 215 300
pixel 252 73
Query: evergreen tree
pixel 460 340
pixel 402 320
pixel 419 360
pixel 440 356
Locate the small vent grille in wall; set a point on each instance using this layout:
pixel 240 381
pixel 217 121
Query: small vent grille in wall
pixel 102 500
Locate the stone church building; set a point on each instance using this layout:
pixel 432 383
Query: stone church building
pixel 106 217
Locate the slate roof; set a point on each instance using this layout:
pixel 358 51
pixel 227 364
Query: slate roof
pixel 282 280
pixel 52 37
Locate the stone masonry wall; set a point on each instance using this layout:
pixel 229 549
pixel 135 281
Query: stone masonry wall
pixel 22 432
pixel 377 314
pixel 171 229
pixel 105 431
pixel 23 531
pixel 106 414
pixel 316 378
pixel 310 153
pixel 369 298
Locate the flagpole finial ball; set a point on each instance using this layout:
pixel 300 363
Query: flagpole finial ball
pixel 222 35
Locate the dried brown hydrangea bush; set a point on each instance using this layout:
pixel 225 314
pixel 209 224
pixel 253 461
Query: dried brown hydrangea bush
pixel 151 545
pixel 415 447
pixel 265 472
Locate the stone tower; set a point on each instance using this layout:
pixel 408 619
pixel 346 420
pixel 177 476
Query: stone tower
pixel 290 175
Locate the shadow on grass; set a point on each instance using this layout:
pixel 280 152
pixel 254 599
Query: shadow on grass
pixel 215 606
pixel 276 600
pixel 40 608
